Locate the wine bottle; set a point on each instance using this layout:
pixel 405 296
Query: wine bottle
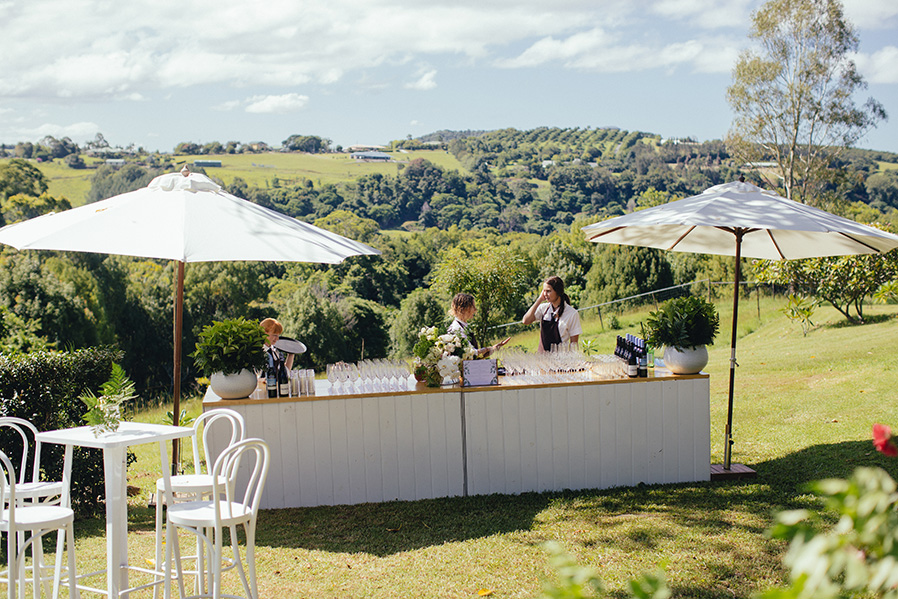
pixel 271 377
pixel 632 370
pixel 283 380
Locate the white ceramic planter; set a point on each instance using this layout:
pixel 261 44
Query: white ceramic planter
pixel 233 386
pixel 686 361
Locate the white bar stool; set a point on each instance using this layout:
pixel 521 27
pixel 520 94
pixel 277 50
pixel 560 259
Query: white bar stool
pixel 197 486
pixel 37 519
pixel 226 509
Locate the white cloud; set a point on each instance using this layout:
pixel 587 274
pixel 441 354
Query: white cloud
pixel 879 67
pixel 78 132
pixel 872 14
pixel 708 14
pixel 288 43
pixel 596 50
pixel 227 106
pixel 276 104
pixel 425 82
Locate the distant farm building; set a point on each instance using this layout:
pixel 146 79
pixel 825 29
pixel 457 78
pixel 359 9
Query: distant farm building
pixel 363 148
pixel 209 163
pixel 370 156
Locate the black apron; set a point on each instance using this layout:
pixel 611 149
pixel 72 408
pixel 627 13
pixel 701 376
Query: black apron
pixel 548 331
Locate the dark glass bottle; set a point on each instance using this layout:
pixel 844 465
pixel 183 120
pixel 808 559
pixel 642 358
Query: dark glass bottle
pixel 283 380
pixel 271 377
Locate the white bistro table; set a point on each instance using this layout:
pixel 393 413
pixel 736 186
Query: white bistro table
pixel 114 446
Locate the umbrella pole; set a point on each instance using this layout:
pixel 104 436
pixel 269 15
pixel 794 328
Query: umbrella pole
pixel 728 434
pixel 176 409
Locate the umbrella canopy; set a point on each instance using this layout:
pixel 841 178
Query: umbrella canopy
pixel 773 227
pixel 742 220
pixel 184 217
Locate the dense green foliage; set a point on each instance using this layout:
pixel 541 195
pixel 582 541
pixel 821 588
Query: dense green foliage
pixel 520 202
pixel 856 557
pixel 229 346
pixel 44 388
pixel 845 282
pixel 683 322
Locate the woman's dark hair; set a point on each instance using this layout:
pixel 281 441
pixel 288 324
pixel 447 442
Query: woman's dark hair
pixel 460 303
pixel 557 286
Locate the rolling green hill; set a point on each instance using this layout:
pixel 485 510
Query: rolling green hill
pixel 258 170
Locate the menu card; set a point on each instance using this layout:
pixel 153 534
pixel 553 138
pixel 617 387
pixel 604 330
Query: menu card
pixel 479 373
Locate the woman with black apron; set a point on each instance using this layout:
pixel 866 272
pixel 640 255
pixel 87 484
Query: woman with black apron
pixel 559 322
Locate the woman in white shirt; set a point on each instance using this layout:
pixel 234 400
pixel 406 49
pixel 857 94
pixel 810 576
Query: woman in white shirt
pixel 559 322
pixel 462 309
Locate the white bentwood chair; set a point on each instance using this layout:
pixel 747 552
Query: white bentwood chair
pixel 227 508
pixel 189 487
pixel 34 490
pixel 22 434
pixel 18 519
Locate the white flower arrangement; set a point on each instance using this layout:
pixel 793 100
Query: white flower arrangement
pixel 438 354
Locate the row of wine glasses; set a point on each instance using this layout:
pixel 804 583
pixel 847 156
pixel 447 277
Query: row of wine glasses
pixel 558 365
pixel 368 376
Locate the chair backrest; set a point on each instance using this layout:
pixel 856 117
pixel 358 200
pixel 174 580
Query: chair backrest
pixel 255 455
pixel 8 487
pixel 215 419
pixel 20 426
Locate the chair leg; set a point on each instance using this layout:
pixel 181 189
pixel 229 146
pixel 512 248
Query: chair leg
pixel 240 569
pixel 250 553
pixel 158 565
pixel 61 540
pixel 37 564
pixel 73 579
pixel 12 564
pixel 215 562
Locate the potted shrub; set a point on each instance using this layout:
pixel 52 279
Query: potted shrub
pixel 684 326
pixel 228 352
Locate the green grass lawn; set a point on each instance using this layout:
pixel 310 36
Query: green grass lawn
pixel 804 409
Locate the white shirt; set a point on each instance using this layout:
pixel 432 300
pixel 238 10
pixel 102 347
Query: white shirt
pixel 568 323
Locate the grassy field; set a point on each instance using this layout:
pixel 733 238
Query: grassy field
pixel 258 170
pixel 804 410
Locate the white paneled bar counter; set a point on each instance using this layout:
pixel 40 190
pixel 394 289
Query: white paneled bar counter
pixel 333 449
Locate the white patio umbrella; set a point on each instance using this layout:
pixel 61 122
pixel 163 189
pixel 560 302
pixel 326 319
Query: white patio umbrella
pixel 742 220
pixel 184 217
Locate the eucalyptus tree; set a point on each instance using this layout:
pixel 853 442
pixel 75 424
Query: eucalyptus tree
pixel 793 95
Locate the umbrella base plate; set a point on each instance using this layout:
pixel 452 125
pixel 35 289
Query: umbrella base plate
pixel 736 471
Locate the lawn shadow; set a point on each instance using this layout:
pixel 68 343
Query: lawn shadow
pixel 625 518
pixel 386 528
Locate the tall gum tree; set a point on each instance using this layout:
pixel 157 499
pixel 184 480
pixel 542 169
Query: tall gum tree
pixel 793 95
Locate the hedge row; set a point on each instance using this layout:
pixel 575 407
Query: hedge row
pixel 44 387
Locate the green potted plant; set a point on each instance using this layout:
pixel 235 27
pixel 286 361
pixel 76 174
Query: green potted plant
pixel 684 326
pixel 228 352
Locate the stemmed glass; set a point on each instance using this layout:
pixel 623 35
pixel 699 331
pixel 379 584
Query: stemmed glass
pixel 333 378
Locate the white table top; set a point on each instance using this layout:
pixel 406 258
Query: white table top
pixel 129 433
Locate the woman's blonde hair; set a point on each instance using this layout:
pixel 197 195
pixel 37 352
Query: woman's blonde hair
pixel 272 327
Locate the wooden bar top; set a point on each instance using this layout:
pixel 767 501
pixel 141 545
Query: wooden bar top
pixel 323 390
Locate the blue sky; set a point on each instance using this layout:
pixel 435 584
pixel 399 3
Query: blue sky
pixel 162 72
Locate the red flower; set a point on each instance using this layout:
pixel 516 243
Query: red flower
pixel 882 440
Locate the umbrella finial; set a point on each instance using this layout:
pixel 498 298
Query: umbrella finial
pixel 185 171
pixel 741 178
